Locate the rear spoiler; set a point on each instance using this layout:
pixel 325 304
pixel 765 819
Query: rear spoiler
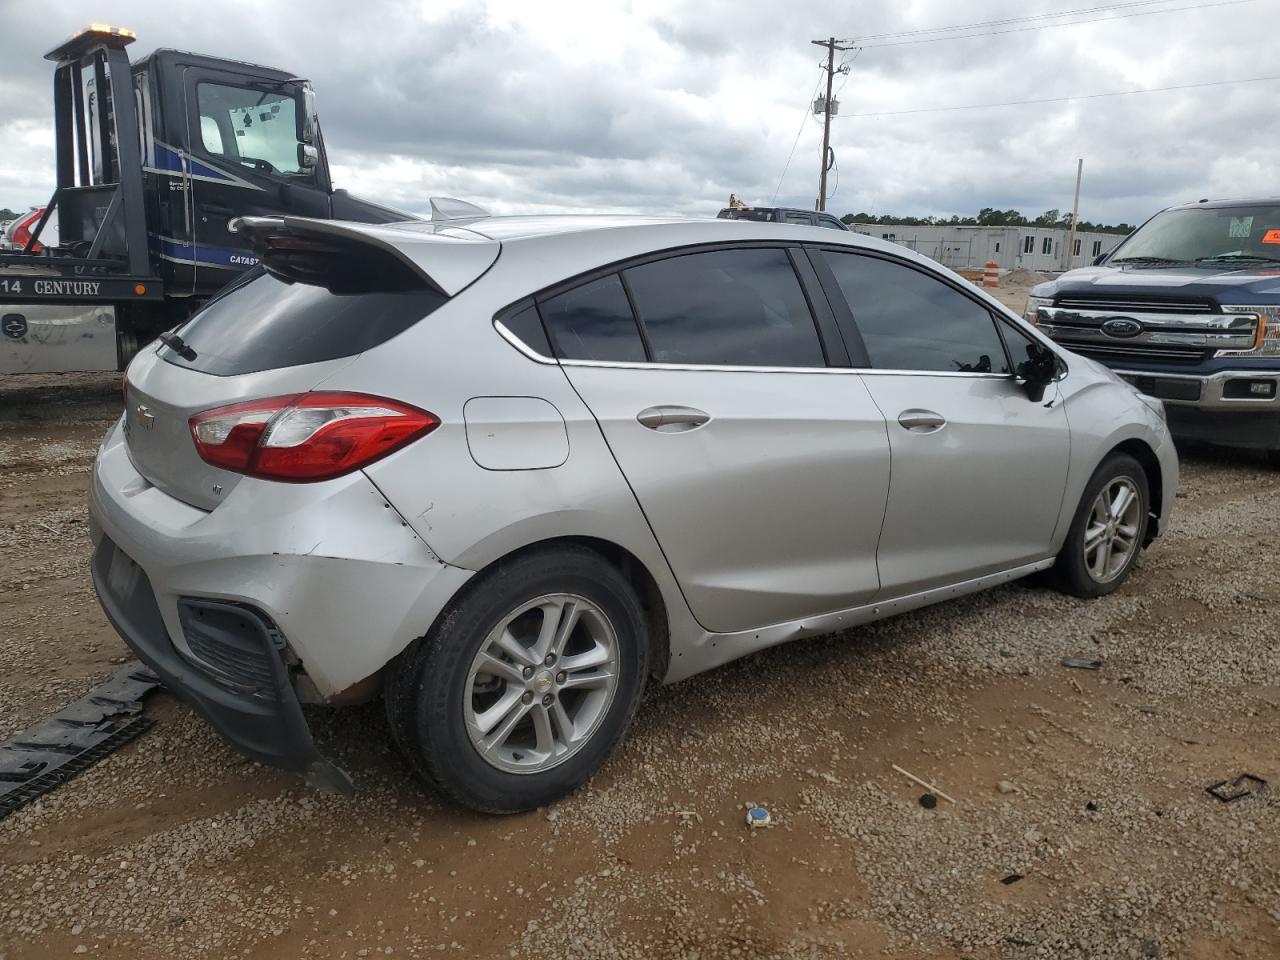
pixel 446 258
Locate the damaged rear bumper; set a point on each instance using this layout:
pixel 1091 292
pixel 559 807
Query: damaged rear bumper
pixel 248 699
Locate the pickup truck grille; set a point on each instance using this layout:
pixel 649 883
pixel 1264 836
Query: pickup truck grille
pixel 1118 331
pixel 1144 305
pixel 1113 355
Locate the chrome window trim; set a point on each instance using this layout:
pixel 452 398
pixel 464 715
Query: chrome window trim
pixel 519 344
pixel 734 368
pixel 532 354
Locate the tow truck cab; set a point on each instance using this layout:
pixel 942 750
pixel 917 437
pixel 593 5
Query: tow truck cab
pixel 1186 308
pixel 153 159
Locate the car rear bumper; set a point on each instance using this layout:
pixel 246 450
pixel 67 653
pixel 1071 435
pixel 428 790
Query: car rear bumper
pixel 263 721
pixel 234 606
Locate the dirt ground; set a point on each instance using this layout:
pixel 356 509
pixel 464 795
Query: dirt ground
pixel 1087 786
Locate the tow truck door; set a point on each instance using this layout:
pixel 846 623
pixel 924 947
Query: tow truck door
pixel 244 134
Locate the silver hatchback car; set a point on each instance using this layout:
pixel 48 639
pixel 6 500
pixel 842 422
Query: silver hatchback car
pixel 503 470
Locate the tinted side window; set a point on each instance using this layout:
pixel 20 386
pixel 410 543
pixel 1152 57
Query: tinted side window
pixel 1020 344
pixel 730 307
pixel 910 321
pixel 593 322
pixel 803 218
pixel 526 326
pixel 831 223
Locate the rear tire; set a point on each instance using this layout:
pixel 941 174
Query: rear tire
pixel 1107 532
pixel 503 728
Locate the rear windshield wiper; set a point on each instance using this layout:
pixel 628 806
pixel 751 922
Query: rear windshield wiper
pixel 1155 260
pixel 177 345
pixel 1229 257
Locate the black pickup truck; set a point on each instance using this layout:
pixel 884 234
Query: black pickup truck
pixel 1186 308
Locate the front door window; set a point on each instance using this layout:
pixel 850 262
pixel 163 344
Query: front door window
pixel 257 129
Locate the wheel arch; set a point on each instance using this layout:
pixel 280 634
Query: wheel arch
pixel 1142 451
pixel 632 568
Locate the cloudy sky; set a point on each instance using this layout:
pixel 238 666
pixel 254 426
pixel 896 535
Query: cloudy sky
pixel 667 107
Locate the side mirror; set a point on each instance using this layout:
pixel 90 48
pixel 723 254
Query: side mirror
pixel 308 156
pixel 309 124
pixel 1097 261
pixel 1038 371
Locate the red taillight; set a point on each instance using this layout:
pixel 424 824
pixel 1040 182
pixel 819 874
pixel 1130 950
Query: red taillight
pixel 307 436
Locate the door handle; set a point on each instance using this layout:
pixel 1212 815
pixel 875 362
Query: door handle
pixel 668 418
pixel 921 421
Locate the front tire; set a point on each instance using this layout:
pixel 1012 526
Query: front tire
pixel 1107 532
pixel 525 684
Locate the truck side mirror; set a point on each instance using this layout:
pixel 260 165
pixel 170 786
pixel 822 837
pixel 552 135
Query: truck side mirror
pixel 308 156
pixel 1097 261
pixel 309 123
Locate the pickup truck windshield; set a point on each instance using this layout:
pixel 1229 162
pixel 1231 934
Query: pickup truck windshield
pixel 1205 234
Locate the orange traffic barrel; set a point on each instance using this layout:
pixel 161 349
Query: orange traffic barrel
pixel 991 274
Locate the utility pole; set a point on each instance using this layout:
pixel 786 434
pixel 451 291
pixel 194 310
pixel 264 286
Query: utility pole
pixel 1075 214
pixel 827 110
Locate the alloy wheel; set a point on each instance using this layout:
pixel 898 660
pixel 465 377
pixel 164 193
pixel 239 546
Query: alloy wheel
pixel 1111 535
pixel 541 683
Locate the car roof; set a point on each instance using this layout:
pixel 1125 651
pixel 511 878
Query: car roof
pixel 692 229
pixel 454 253
pixel 543 225
pixel 1218 204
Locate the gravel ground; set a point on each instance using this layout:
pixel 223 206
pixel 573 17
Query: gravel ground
pixel 1087 785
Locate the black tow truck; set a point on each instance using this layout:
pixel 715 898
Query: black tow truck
pixel 1187 309
pixel 154 158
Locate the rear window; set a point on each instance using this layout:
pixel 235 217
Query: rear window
pixel 264 323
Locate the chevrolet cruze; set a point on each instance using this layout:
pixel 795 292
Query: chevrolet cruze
pixel 503 471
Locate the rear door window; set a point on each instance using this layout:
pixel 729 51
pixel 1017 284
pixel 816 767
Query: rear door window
pixel 726 307
pixel 594 322
pixel 263 323
pixel 912 321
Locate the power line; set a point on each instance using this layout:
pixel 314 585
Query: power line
pixel 1048 26
pixel 1011 20
pixel 808 105
pixel 1081 96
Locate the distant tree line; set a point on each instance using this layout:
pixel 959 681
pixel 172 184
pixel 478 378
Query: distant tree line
pixel 7 214
pixel 991 217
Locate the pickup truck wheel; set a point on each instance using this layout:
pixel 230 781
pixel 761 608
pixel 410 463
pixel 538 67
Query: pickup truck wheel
pixel 525 685
pixel 1107 532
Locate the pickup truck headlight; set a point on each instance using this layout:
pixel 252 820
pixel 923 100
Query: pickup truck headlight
pixel 1031 312
pixel 1268 341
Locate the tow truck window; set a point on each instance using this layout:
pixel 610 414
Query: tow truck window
pixel 255 128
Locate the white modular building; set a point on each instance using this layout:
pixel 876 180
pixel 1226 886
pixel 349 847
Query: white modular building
pixel 1028 248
